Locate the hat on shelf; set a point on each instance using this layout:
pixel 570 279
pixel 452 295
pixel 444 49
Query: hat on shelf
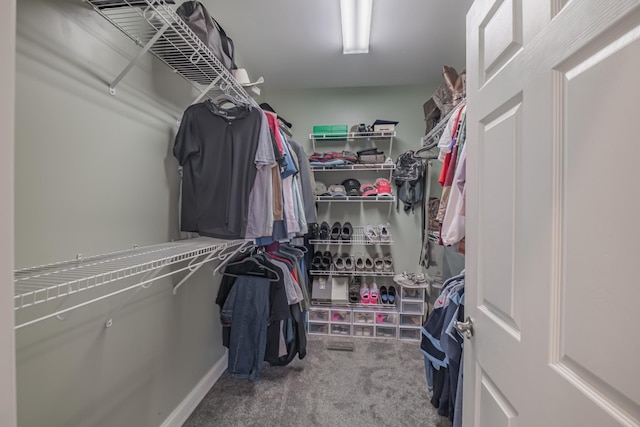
pixel 241 75
pixel 321 189
pixel 352 186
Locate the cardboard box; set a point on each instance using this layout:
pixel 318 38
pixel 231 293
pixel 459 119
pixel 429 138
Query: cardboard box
pixel 384 128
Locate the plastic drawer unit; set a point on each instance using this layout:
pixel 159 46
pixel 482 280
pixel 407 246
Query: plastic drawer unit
pixel 386 332
pixel 410 334
pixel 363 331
pixel 318 328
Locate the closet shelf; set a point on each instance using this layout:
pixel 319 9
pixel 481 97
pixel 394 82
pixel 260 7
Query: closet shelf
pixel 46 283
pixel 352 136
pixel 357 166
pixel 357 238
pixel 352 273
pixel 156 27
pixel 388 199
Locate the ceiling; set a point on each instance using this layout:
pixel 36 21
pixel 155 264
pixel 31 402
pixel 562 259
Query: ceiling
pixel 298 43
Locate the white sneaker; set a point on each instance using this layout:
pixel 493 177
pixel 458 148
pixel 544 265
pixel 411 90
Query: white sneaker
pixel 371 233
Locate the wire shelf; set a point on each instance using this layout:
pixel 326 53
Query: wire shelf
pixel 359 308
pixel 338 199
pixel 356 166
pixel 37 285
pixel 155 26
pixel 339 273
pixel 358 237
pixel 351 136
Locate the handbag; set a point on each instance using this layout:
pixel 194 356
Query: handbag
pixel 197 17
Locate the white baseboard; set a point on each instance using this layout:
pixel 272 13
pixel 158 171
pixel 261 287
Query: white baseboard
pixel 186 407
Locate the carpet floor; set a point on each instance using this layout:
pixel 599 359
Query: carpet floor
pixel 379 383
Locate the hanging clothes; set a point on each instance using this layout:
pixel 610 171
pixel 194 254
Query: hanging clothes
pixel 217 148
pixel 442 348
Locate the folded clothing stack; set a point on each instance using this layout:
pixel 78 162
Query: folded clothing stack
pixel 344 158
pixel 333 158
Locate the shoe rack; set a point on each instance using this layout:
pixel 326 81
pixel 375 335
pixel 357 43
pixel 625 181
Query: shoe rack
pixel 355 319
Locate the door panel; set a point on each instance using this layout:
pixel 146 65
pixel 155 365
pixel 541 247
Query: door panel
pixel 552 224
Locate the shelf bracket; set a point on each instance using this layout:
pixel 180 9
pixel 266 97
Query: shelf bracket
pixel 207 89
pixel 145 281
pixel 134 61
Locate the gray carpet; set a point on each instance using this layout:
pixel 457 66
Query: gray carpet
pixel 380 383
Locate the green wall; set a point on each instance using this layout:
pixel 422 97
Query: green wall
pixel 305 108
pixel 94 174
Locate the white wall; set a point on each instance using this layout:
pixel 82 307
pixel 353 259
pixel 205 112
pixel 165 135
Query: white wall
pixel 7 79
pixel 94 174
pixel 305 108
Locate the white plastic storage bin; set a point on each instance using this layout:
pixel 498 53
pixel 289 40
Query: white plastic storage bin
pixel 409 294
pixel 340 329
pixel 386 332
pixel 363 317
pixel 318 328
pixel 414 320
pixel 318 315
pixel 410 334
pixel 412 307
pixel 363 331
pixel 341 316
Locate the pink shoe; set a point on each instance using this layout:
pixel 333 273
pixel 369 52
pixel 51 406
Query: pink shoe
pixel 364 294
pixel 373 294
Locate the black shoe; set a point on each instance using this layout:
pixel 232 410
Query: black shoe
pixel 327 259
pixel 336 230
pixel 314 231
pixel 347 231
pixel 316 261
pixel 354 289
pixel 323 233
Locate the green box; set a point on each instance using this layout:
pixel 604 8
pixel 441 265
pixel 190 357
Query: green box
pixel 333 131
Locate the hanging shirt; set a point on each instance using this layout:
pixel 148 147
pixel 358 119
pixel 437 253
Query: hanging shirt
pixel 453 225
pixel 260 219
pixel 217 149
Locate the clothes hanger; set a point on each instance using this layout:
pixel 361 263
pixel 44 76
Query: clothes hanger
pixel 257 264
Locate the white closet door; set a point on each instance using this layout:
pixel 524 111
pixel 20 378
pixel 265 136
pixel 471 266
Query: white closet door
pixel 553 232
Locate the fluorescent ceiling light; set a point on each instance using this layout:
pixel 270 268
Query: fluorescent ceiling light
pixel 356 25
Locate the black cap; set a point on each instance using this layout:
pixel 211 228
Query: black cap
pixel 352 186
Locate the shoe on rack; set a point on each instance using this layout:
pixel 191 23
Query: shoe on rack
pixel 411 280
pixel 378 264
pixel 368 263
pixel 359 263
pixel 316 261
pixel 391 295
pixel 374 293
pixel 371 233
pixel 327 260
pixel 388 263
pixel 364 293
pixel 347 231
pixel 383 233
pixel 323 232
pixel 336 231
pixel 354 289
pixel 384 296
pixel 338 262
pixel 349 264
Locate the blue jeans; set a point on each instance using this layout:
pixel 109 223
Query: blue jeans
pixel 247 306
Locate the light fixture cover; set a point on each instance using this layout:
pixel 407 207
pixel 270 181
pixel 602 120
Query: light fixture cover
pixel 356 25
